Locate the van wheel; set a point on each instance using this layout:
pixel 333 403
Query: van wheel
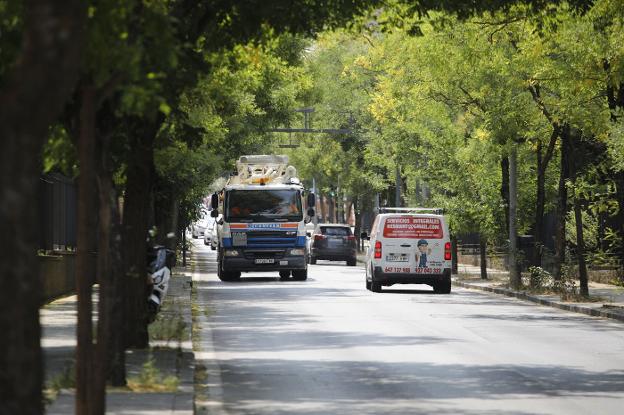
pixel 368 284
pixel 375 287
pixel 312 260
pixel 351 262
pixel 443 287
pixel 284 275
pixel 300 274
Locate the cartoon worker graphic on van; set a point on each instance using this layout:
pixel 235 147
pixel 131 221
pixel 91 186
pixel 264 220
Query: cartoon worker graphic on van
pixel 422 253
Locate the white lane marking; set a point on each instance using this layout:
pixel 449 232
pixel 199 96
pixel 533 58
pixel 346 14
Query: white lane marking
pixel 206 356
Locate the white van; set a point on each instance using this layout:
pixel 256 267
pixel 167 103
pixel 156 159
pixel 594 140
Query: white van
pixel 409 246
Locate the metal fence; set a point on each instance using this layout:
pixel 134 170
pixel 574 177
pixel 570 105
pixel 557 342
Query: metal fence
pixel 57 213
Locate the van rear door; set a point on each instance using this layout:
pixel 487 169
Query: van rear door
pixel 414 244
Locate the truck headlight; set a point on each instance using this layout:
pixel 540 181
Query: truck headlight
pixel 231 252
pixel 299 252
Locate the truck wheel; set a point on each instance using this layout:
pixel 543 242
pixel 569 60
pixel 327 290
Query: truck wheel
pixel 230 275
pixel 300 274
pixel 284 275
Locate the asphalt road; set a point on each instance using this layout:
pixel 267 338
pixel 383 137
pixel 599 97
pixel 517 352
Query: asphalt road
pixel 328 346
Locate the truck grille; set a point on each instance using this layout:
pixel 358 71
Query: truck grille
pixel 270 238
pixel 264 253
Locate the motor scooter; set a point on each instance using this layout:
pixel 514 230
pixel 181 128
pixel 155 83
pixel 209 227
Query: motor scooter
pixel 160 261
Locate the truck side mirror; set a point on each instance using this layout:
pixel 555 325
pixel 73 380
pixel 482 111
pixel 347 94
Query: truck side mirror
pixel 214 204
pixel 311 200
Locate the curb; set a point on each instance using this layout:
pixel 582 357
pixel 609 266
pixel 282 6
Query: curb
pixel 594 312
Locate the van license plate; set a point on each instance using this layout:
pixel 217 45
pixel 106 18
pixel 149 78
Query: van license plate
pixel 265 261
pixel 396 258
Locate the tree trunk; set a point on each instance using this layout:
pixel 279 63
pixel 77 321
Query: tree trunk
pixel 619 183
pixel 85 270
pixel 116 370
pixel 135 226
pixel 580 248
pixel 539 209
pixel 615 101
pixel 358 222
pixel 397 186
pixel 454 259
pixel 110 352
pixel 514 275
pixel 562 204
pixel 332 210
pixel 505 188
pixel 173 225
pixel 543 159
pixel 104 329
pixel 483 256
pixel 32 96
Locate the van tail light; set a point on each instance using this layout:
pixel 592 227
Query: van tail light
pixel 378 250
pixel 319 237
pixel 351 238
pixel 447 251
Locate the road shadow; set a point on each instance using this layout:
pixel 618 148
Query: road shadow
pixel 356 387
pixel 408 291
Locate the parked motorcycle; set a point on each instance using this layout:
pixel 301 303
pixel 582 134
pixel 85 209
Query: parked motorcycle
pixel 160 261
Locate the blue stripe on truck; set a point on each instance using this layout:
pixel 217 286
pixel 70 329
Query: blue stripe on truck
pixel 276 242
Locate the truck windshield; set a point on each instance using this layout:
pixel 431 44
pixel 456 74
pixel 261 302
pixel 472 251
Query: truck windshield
pixel 258 205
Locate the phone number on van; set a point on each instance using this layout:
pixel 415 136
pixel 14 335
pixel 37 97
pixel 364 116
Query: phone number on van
pixel 414 271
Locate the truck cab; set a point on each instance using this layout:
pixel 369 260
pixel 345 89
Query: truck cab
pixel 263 220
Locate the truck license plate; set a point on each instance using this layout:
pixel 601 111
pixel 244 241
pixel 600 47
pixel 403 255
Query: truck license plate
pixel 239 239
pixel 265 261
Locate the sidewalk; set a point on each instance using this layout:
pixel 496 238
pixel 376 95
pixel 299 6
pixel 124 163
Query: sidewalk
pixel 171 356
pixel 611 304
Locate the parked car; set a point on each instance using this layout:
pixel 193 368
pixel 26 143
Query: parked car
pixel 334 242
pixel 214 243
pixel 309 228
pixel 208 235
pixel 198 229
pixel 409 247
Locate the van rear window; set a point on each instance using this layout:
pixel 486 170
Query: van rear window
pixel 412 227
pixel 335 231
